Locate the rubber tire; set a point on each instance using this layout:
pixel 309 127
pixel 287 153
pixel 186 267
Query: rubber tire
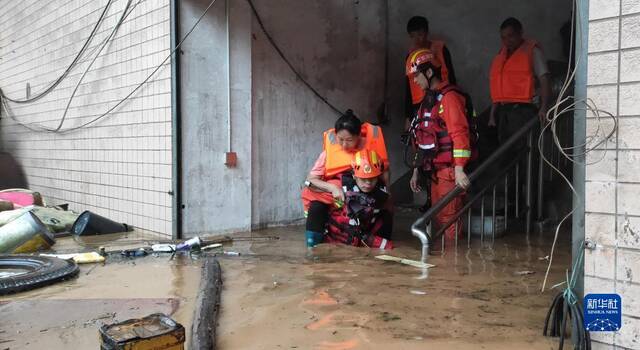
pixel 44 271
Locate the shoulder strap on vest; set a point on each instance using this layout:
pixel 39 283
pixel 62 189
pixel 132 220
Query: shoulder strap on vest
pixel 450 88
pixel 330 135
pixel 369 129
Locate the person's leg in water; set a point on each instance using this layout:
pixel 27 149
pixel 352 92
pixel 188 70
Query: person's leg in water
pixel 317 218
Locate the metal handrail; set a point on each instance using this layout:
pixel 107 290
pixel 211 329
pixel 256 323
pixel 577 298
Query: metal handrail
pixel 419 227
pixel 480 193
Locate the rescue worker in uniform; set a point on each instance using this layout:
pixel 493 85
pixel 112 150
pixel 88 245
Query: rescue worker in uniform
pixel 348 136
pixel 450 138
pixel 361 219
pixel 418 30
pixel 513 75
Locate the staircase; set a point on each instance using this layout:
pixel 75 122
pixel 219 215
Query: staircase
pixel 502 196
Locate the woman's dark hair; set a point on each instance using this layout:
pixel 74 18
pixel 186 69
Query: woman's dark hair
pixel 348 121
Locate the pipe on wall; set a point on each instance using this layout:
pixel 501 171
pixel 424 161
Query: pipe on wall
pixel 176 149
pixel 579 136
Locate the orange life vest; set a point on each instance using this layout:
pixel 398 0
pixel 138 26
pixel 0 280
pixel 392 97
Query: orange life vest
pixel 339 160
pixel 512 78
pixel 437 47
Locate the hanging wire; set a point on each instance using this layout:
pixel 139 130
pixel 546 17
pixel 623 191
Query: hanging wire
pixel 42 128
pixel 120 102
pixel 69 68
pixel 284 58
pixel 571 153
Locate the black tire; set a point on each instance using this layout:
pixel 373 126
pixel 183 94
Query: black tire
pixel 40 271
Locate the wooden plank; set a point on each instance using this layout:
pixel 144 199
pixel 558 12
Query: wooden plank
pixel 205 318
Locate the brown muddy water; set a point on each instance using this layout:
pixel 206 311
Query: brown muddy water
pixel 340 297
pixel 67 315
pixel 278 295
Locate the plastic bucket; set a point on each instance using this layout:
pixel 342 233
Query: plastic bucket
pixel 89 223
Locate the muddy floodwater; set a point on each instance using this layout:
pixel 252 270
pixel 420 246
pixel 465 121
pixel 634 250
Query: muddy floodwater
pixel 279 295
pixel 340 297
pixel 67 315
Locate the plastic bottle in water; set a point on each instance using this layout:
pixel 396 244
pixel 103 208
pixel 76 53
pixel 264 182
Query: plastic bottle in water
pixel 189 244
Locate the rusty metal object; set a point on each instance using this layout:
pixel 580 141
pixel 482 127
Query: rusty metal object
pixel 156 331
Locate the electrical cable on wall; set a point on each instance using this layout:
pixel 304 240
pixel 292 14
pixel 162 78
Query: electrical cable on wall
pixel 126 12
pixel 566 304
pixel 284 58
pixel 40 128
pixel 71 129
pixel 69 68
pixel 553 115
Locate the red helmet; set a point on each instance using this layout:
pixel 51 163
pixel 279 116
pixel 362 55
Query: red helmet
pixel 420 60
pixel 367 164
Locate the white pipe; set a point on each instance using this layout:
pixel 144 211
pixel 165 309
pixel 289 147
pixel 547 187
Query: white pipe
pixel 422 236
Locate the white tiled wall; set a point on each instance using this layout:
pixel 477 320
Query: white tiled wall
pixel 119 167
pixel 613 185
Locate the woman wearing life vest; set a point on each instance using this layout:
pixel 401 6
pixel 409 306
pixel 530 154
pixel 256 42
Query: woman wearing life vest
pixel 364 219
pixel 340 144
pixel 442 132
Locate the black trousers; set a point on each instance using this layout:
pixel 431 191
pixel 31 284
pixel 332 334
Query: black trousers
pixel 511 118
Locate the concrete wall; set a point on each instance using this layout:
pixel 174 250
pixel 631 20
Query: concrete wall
pixel 339 47
pixel 216 199
pixel 119 167
pixel 613 184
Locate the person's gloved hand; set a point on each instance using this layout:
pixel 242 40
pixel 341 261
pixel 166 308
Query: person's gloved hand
pixel 338 195
pixel 461 178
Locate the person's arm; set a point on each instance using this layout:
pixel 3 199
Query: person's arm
pixel 316 178
pixel 324 186
pixel 414 183
pixel 449 63
pixel 408 105
pixel 458 128
pixel 542 72
pixel 492 115
pixel 386 174
pixel 545 96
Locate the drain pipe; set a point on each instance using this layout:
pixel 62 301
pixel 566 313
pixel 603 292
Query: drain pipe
pixel 176 169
